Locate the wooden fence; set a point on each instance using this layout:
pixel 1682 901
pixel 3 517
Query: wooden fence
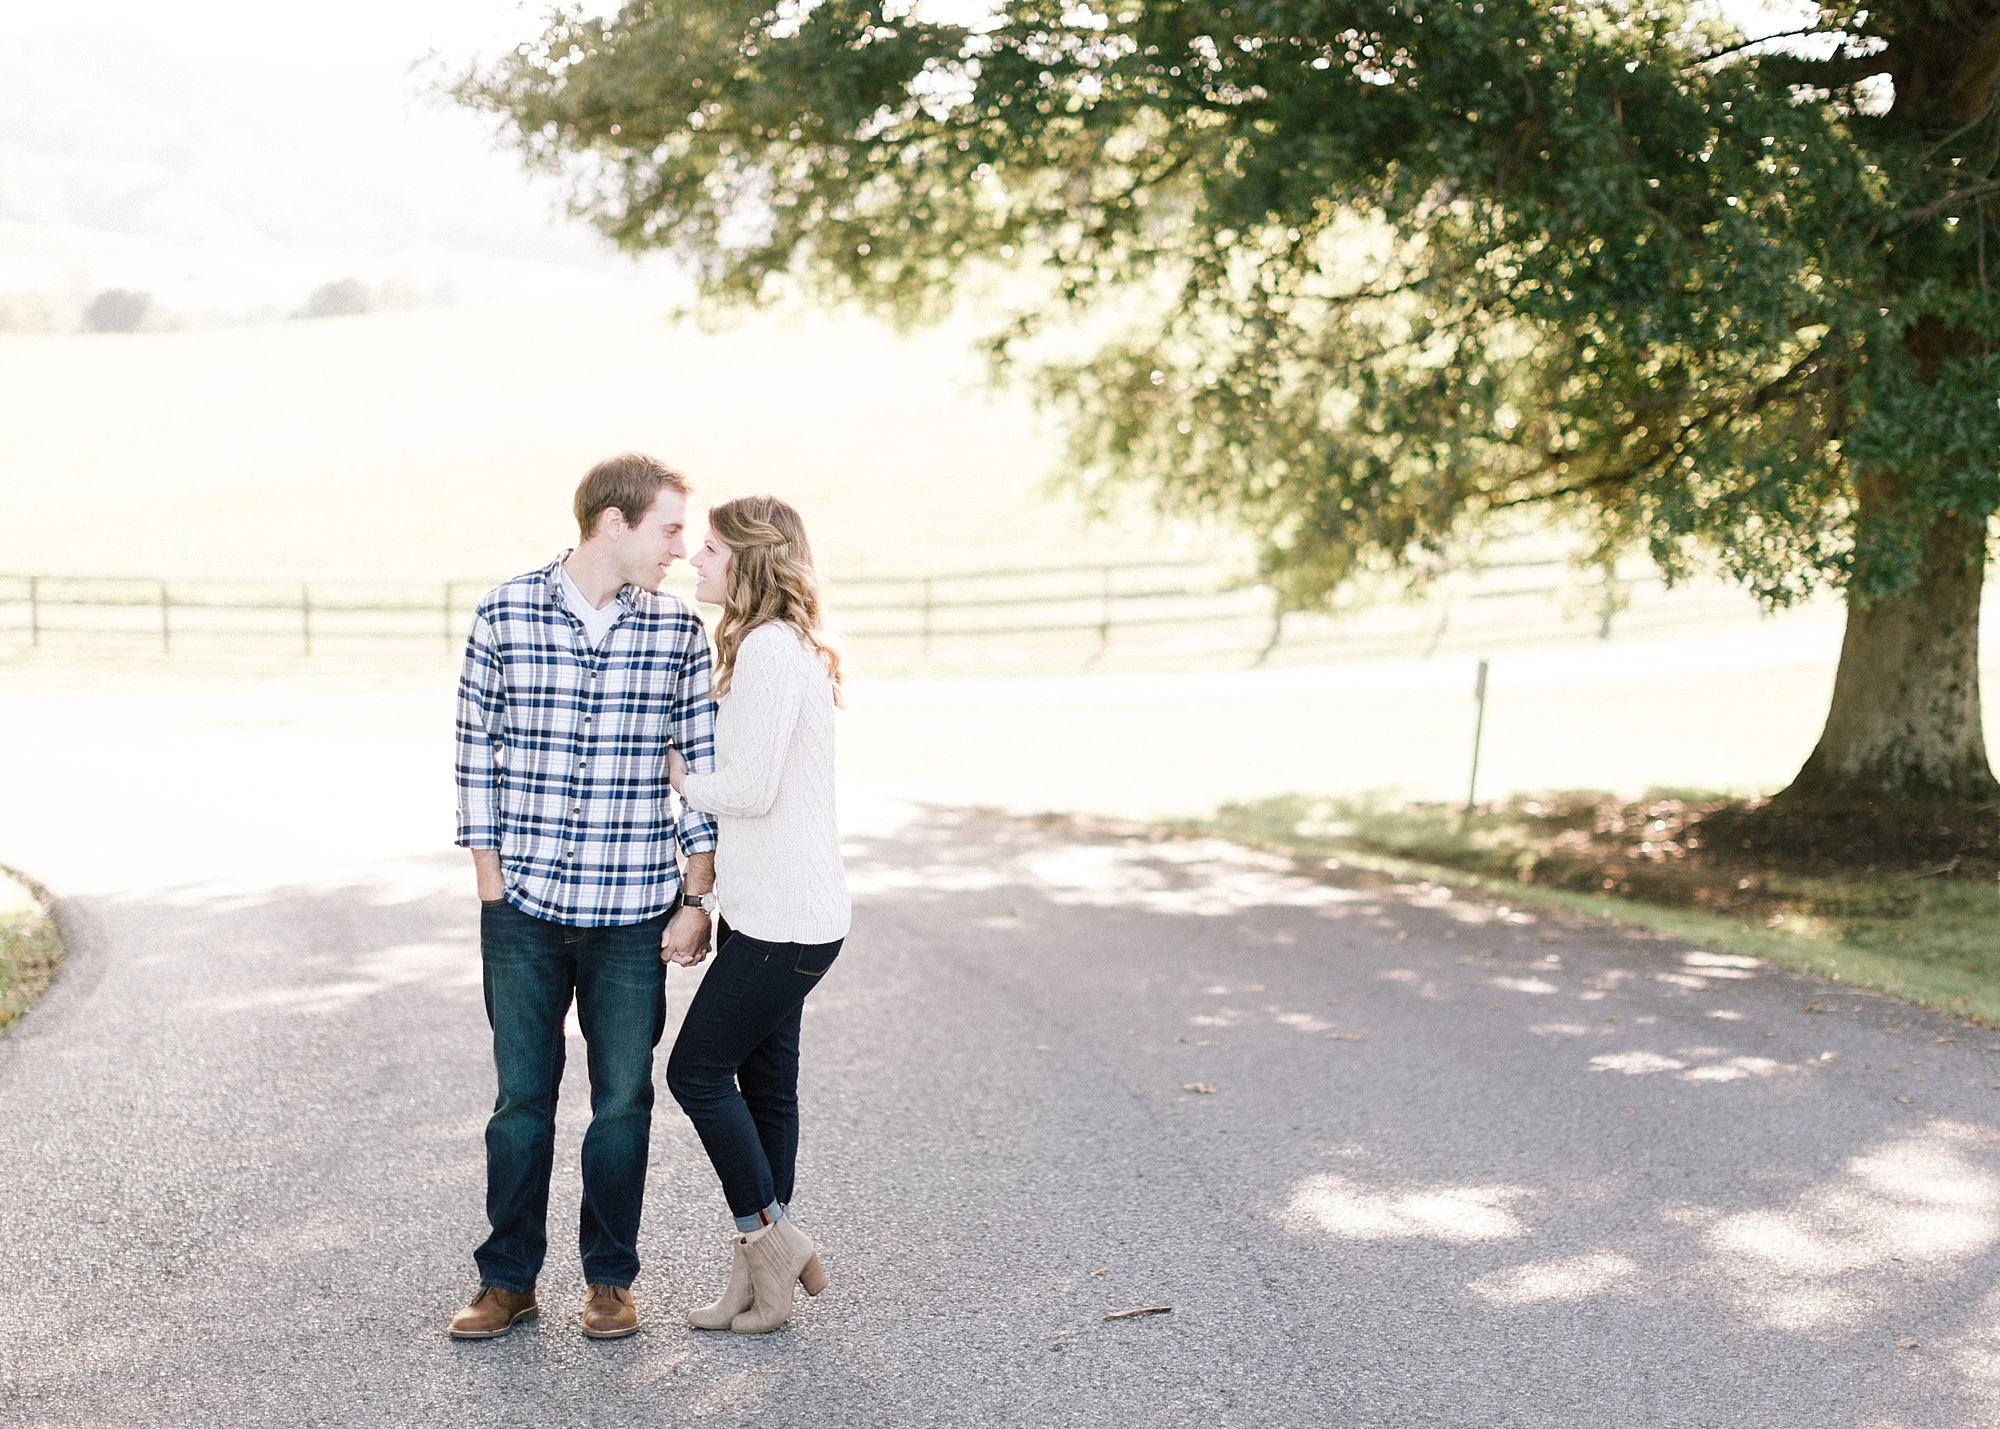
pixel 1072 612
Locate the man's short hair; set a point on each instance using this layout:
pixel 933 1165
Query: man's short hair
pixel 630 481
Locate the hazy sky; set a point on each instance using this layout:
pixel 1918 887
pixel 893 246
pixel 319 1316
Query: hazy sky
pixel 268 149
pixel 343 67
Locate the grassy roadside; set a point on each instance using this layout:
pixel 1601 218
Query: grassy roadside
pixel 29 950
pixel 1929 940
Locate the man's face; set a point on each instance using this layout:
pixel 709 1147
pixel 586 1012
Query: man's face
pixel 646 550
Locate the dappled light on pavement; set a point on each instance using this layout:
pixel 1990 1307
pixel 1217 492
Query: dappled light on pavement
pixel 1576 1277
pixel 1206 878
pixel 1454 1215
pixel 1920 1205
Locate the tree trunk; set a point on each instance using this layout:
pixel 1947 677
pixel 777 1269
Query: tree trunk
pixel 1905 726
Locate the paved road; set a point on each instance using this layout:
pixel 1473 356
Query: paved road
pixel 1460 1166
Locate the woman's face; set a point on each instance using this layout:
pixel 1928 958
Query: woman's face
pixel 711 565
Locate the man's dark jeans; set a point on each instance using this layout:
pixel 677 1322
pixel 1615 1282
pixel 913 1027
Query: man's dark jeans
pixel 532 968
pixel 735 1065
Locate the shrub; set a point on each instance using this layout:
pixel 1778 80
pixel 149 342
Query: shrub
pixel 117 310
pixel 337 300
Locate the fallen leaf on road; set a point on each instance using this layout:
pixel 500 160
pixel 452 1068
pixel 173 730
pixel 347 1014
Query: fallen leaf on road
pixel 1344 1037
pixel 1610 1019
pixel 1207 1089
pixel 1105 1271
pixel 1630 1110
pixel 1135 1314
pixel 1904 1100
pixel 1496 1007
pixel 1951 1039
pixel 1813 1007
pixel 1906 1344
pixel 1333 1002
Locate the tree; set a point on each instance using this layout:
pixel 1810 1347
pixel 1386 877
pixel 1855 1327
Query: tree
pixel 1393 270
pixel 117 310
pixel 340 299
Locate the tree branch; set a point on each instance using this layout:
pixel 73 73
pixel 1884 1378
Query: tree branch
pixel 1727 50
pixel 1609 478
pixel 1834 72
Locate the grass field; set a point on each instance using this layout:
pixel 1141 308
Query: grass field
pixel 445 442
pixel 409 449
pixel 1924 940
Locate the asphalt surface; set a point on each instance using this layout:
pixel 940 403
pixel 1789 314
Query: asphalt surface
pixel 1458 1166
pixel 1435 1183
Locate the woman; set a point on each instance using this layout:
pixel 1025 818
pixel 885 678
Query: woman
pixel 780 886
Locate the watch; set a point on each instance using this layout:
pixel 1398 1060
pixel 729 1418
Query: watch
pixel 704 901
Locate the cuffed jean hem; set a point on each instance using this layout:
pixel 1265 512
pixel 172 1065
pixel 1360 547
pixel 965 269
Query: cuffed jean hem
pixel 487 1282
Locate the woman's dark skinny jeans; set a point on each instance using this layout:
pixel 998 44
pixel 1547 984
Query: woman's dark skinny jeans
pixel 735 1066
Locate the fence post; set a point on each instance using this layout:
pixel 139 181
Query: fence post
pixel 306 616
pixel 166 624
pixel 1478 729
pixel 928 605
pixel 447 617
pixel 35 610
pixel 1104 619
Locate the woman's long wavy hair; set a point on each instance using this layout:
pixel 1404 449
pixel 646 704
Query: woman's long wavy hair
pixel 770 577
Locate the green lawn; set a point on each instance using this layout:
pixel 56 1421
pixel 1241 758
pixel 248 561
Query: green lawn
pixel 29 951
pixel 446 442
pixel 1924 940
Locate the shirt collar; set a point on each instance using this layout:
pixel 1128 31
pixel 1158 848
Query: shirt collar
pixel 554 573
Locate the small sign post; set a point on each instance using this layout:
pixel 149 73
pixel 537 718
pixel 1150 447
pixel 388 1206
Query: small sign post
pixel 1478 729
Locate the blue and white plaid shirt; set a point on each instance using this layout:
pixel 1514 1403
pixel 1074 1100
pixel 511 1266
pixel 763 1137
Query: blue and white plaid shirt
pixel 562 749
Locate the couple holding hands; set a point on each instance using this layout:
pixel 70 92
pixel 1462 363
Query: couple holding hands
pixel 587 693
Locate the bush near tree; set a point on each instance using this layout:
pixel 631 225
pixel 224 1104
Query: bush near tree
pixel 344 298
pixel 117 310
pixel 1392 273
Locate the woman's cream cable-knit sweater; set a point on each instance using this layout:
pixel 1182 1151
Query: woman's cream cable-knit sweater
pixel 778 874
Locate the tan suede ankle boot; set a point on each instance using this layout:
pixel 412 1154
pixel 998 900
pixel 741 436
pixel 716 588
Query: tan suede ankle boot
pixel 780 1258
pixel 736 1297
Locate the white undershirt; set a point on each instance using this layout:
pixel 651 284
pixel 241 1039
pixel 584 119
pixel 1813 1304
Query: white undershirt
pixel 597 620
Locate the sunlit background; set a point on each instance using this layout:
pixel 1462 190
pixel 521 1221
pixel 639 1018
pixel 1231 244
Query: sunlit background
pixel 368 359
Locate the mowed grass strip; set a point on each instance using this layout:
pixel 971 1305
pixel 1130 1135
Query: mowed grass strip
pixel 29 951
pixel 1933 941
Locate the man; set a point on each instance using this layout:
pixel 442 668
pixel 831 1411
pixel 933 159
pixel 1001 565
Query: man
pixel 577 677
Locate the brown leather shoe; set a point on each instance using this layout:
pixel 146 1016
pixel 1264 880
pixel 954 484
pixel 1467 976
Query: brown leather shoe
pixel 610 1313
pixel 493 1312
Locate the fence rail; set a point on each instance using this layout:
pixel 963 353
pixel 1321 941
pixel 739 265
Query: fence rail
pixel 1085 605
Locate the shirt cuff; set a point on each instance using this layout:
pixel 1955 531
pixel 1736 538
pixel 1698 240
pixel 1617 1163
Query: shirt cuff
pixel 699 839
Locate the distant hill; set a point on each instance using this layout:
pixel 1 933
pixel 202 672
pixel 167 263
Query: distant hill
pixel 124 166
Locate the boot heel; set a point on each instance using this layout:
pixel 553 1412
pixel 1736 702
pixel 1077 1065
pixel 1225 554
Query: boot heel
pixel 812 1276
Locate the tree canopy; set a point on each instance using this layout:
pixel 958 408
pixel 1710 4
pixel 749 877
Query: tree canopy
pixel 1386 270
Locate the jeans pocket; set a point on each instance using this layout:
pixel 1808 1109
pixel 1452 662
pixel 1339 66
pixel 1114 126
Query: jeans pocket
pixel 816 958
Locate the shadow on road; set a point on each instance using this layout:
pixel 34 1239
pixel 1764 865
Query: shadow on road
pixel 1392 1157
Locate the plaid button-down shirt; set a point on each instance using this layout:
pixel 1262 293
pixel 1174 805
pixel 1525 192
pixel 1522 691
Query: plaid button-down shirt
pixel 562 750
